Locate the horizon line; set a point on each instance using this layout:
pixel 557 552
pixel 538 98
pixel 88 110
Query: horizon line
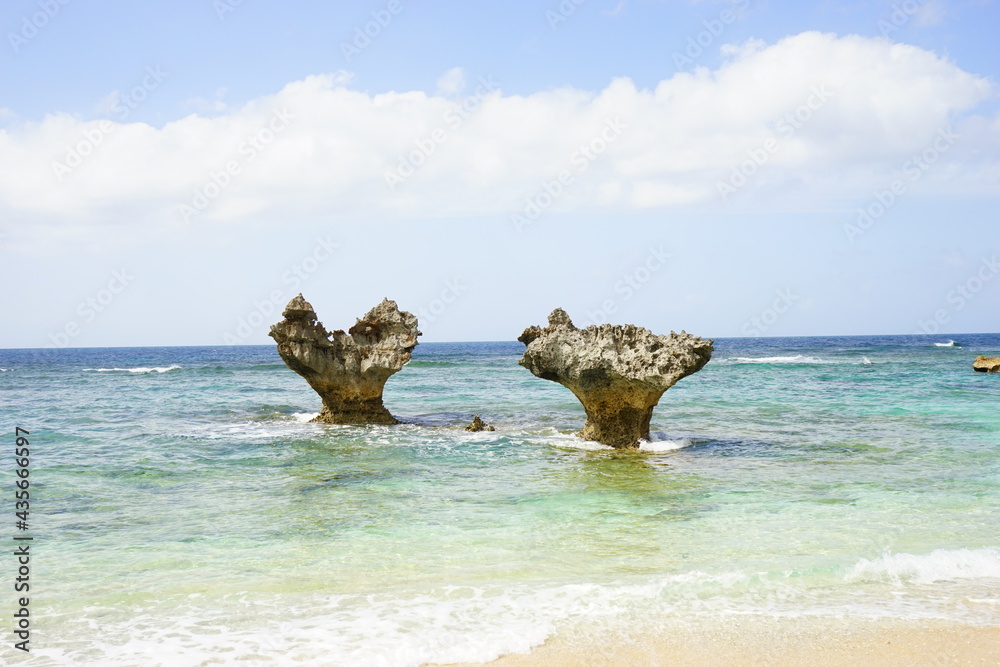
pixel 455 342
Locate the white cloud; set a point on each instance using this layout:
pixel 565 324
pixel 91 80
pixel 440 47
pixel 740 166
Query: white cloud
pixel 886 102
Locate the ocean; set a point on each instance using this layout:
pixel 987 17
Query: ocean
pixel 184 511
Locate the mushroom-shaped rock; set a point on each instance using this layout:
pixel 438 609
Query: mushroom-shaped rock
pixel 348 370
pixel 986 364
pixel 618 372
pixel 478 424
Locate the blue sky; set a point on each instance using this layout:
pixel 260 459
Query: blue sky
pixel 173 173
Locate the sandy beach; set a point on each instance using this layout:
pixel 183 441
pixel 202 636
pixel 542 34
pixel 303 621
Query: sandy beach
pixel 756 640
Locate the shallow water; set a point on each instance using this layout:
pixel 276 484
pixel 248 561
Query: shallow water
pixel 184 510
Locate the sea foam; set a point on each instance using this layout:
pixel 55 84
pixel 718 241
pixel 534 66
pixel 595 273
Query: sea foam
pixel 444 625
pixel 791 359
pixel 939 565
pixel 657 445
pixel 138 369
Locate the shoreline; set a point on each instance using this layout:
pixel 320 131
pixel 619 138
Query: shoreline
pixel 762 640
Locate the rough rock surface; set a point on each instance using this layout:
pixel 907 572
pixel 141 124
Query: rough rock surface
pixel 986 364
pixel 617 372
pixel 478 424
pixel 348 370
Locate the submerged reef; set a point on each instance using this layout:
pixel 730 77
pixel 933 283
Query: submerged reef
pixel 618 372
pixel 347 370
pixel 986 364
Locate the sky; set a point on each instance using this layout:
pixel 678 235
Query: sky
pixel 174 173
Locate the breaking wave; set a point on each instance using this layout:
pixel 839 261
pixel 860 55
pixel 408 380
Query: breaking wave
pixel 138 369
pixel 792 359
pixel 939 565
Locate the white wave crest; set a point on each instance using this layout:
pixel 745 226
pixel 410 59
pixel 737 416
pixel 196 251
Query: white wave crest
pixel 138 369
pixel 450 624
pixel 304 417
pixel 456 624
pixel 939 565
pixel 657 445
pixel 793 359
pixel 659 442
pixel 572 441
pixel 950 343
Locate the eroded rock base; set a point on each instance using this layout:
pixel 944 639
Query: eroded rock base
pixel 618 423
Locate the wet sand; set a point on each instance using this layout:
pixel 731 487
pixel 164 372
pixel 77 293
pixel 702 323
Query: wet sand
pixel 750 640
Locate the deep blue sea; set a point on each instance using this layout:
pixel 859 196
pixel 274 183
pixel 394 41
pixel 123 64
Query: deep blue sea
pixel 185 512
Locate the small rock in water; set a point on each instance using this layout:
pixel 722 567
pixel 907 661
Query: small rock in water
pixel 986 364
pixel 478 424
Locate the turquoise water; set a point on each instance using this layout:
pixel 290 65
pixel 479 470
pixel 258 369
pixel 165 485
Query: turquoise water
pixel 184 512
